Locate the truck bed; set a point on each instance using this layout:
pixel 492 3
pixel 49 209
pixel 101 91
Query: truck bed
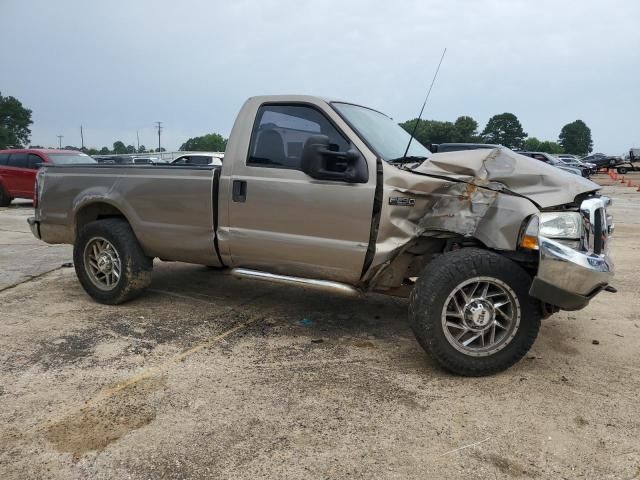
pixel 172 209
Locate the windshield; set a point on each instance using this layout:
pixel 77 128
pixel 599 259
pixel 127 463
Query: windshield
pixel 386 137
pixel 70 158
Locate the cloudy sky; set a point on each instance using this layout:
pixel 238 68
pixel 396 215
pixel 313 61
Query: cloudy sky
pixel 118 66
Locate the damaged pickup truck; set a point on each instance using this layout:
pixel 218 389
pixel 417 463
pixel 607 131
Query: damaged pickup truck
pixel 320 194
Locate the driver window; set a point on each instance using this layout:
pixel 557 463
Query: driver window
pixel 280 132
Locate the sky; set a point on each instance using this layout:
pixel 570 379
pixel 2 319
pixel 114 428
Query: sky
pixel 116 66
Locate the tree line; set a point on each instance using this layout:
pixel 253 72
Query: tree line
pixel 502 129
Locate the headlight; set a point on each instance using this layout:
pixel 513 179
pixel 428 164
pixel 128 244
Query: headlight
pixel 563 225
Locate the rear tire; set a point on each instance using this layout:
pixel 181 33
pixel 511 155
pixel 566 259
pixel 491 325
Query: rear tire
pixel 5 199
pixel 622 170
pixel 476 297
pixel 110 263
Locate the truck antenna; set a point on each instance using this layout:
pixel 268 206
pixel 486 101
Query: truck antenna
pixel 415 126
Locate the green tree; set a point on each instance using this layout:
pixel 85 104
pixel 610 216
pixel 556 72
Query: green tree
pixel 119 147
pixel 504 129
pixel 466 129
pixel 14 123
pixel 91 151
pixel 212 142
pixel 551 147
pixel 575 138
pixel 104 151
pixel 431 131
pixel 131 149
pixel 142 149
pixel 532 144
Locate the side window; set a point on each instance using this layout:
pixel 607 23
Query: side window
pixel 18 160
pixel 280 132
pixel 35 161
pixel 3 158
pixel 200 160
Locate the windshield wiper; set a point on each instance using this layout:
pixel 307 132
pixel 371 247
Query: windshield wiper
pixel 408 159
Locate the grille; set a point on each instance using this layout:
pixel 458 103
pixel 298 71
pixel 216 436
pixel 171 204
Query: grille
pixel 596 224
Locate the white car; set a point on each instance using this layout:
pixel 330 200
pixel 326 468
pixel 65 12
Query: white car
pixel 199 158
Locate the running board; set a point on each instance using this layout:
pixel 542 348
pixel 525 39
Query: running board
pixel 327 286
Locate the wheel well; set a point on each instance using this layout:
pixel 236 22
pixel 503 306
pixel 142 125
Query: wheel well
pixel 95 211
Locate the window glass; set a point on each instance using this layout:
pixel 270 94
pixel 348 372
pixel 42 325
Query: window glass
pixel 281 131
pixel 71 158
pixel 18 160
pixel 3 158
pixel 386 137
pixel 34 161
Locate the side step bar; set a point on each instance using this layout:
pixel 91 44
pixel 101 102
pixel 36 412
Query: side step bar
pixel 327 286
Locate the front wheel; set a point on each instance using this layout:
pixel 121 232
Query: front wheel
pixel 471 311
pixel 110 263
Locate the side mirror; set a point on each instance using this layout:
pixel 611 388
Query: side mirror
pixel 319 160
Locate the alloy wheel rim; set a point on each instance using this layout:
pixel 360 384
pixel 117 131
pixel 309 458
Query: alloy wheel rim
pixel 481 316
pixel 102 263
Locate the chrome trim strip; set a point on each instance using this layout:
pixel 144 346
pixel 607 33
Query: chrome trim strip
pixel 325 285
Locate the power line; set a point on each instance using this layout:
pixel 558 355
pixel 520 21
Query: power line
pixel 159 127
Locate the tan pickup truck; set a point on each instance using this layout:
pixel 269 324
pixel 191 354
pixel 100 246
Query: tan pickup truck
pixel 319 194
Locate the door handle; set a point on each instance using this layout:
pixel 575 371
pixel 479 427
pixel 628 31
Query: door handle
pixel 239 193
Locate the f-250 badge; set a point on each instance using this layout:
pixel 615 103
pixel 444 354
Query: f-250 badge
pixel 402 201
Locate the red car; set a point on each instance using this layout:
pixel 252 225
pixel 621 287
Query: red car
pixel 18 169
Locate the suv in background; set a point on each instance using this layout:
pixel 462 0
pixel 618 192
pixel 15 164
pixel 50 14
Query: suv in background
pixel 551 160
pixel 18 169
pixel 200 158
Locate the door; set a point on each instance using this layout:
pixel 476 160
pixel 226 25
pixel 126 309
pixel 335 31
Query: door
pixel 283 221
pixel 17 175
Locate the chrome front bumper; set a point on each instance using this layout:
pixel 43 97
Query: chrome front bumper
pixel 569 278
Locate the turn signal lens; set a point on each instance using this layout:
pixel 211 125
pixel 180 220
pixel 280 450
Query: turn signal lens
pixel 529 239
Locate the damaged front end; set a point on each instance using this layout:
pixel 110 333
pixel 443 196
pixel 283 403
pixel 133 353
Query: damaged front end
pixel 472 198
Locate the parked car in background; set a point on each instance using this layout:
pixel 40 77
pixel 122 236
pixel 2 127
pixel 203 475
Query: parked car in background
pixel 551 160
pixel 567 156
pixel 114 159
pixel 575 163
pixel 200 158
pixel 601 160
pixel 457 147
pixel 18 169
pixel 147 160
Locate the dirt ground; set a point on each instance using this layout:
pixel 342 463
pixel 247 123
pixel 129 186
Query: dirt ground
pixel 207 376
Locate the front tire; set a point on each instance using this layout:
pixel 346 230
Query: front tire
pixel 471 311
pixel 110 263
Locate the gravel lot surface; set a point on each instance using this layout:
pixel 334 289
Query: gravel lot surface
pixel 207 376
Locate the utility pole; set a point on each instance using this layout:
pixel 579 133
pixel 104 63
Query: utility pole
pixel 81 138
pixel 138 137
pixel 159 127
pixel 60 137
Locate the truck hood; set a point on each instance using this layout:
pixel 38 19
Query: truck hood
pixel 501 168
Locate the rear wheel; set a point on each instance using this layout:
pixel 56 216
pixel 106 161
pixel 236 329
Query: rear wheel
pixel 110 263
pixel 471 311
pixel 622 170
pixel 5 199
